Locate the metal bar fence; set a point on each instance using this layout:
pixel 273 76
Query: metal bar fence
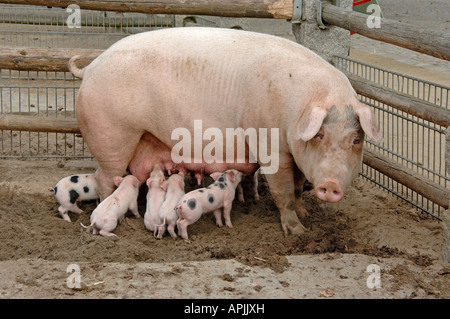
pixel 53 94
pixel 415 143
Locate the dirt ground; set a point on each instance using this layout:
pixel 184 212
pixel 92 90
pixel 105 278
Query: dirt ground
pixel 253 259
pixel 367 226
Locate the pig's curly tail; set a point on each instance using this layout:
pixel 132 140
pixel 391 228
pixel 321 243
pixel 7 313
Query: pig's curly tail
pixel 77 72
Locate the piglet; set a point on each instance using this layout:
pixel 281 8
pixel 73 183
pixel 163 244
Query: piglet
pixel 167 213
pixel 74 188
pixel 112 209
pixel 155 198
pixel 254 181
pixel 211 198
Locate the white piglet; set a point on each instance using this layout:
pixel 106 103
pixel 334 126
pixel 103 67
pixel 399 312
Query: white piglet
pixel 71 189
pixel 155 198
pixel 112 209
pixel 167 212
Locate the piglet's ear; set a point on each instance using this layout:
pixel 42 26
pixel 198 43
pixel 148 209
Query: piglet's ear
pixel 164 185
pixel 231 175
pixel 215 175
pixel 117 180
pixel 368 123
pixel 309 124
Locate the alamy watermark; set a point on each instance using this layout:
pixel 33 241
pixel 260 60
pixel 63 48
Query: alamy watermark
pixel 74 19
pixel 374 279
pixel 227 147
pixel 374 20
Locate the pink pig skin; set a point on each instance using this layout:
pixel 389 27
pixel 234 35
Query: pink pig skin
pixel 211 198
pixel 137 92
pixel 155 198
pixel 112 210
pixel 167 213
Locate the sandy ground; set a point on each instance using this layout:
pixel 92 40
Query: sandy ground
pixel 251 260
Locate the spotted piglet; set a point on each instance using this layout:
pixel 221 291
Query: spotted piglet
pixel 112 209
pixel 74 188
pixel 217 195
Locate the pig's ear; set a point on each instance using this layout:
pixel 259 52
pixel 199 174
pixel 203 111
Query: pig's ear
pixel 366 118
pixel 308 126
pixel 164 185
pixel 231 175
pixel 215 175
pixel 117 180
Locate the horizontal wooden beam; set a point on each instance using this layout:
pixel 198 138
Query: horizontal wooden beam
pixel 277 9
pixel 38 123
pixel 43 59
pixel 400 101
pixel 406 35
pixel 405 176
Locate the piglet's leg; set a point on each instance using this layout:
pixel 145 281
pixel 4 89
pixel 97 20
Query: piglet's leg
pixel 106 233
pixel 64 213
pixel 74 208
pixel 226 215
pixel 218 215
pixel 182 225
pixel 240 192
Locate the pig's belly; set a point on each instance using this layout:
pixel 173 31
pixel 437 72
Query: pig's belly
pixel 150 152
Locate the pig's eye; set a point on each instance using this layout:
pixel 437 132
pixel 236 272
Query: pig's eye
pixel 356 141
pixel 319 136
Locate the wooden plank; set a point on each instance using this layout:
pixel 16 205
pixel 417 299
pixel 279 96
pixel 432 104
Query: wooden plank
pixel 398 100
pixel 418 183
pixel 38 123
pixel 42 59
pixel 409 36
pixel 278 9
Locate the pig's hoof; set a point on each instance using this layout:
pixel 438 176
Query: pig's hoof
pixel 301 211
pixel 292 225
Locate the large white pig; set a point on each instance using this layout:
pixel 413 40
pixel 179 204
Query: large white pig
pixel 136 93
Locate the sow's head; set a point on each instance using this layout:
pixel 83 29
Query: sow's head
pixel 331 154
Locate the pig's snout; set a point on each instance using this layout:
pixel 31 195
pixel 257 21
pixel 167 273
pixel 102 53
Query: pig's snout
pixel 329 191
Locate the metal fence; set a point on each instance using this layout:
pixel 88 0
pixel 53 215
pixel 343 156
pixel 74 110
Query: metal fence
pixel 49 27
pixel 415 143
pixel 53 93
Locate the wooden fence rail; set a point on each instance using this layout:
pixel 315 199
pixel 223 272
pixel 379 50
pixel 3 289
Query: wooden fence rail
pixel 409 36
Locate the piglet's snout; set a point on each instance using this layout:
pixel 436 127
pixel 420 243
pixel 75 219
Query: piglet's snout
pixel 329 191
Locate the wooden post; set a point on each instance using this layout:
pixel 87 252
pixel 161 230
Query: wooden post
pixel 409 36
pixel 278 9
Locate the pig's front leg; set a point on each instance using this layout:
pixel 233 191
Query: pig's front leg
pixel 299 180
pixel 134 209
pixel 281 185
